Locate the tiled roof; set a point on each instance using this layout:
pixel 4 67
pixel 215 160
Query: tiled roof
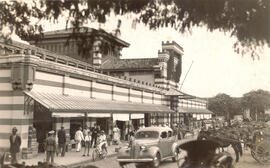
pixel 76 104
pixel 120 64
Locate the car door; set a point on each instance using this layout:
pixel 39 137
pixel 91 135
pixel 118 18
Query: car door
pixel 163 143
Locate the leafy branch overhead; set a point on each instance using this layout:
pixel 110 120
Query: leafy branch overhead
pixel 247 20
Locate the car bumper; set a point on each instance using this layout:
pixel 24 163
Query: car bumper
pixel 135 160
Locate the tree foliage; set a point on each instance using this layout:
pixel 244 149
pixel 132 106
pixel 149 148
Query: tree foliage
pixel 221 105
pixel 257 101
pixel 247 20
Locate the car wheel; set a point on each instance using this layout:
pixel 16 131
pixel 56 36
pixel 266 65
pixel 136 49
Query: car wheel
pixel 176 157
pixel 156 161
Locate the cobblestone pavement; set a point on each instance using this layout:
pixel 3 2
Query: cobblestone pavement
pixel 246 161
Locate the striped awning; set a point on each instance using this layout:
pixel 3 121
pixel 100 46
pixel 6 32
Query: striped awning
pixel 193 110
pixel 58 103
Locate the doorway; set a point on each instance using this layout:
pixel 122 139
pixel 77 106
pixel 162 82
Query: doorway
pixel 75 123
pixel 103 124
pixel 42 122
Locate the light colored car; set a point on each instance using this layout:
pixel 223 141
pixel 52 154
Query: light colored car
pixel 151 146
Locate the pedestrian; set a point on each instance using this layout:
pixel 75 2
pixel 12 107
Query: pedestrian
pixel 79 138
pixel 116 135
pixel 15 144
pixel 62 141
pixel 86 130
pixel 50 146
pixel 94 135
pixel 87 139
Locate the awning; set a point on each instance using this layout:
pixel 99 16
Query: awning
pixel 121 117
pixel 179 94
pixel 65 115
pixel 137 116
pixel 174 92
pixel 193 110
pixel 58 103
pixel 99 115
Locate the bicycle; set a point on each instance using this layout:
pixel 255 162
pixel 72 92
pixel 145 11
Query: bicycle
pixel 97 154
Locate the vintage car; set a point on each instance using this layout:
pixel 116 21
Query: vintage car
pixel 205 154
pixel 150 146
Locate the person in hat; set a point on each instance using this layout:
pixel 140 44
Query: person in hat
pixel 62 141
pixel 50 146
pixel 15 144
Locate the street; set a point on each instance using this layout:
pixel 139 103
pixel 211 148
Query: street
pixel 246 161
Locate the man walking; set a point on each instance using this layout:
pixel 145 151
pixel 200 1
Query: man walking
pixel 50 147
pixel 79 138
pixel 62 141
pixel 15 143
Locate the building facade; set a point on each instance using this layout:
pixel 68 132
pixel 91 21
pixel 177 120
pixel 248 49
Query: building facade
pixel 48 87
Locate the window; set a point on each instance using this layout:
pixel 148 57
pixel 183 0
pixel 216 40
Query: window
pixel 163 135
pixel 146 134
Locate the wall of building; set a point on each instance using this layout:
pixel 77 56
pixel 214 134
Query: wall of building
pixel 62 84
pixel 12 111
pixel 190 103
pixel 146 77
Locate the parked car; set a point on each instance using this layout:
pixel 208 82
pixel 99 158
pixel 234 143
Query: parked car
pixel 150 146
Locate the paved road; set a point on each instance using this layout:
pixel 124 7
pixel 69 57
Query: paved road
pixel 246 161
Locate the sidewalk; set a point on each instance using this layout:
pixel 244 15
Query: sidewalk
pixel 75 159
pixel 72 158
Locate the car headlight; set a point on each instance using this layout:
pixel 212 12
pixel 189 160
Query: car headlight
pixel 143 148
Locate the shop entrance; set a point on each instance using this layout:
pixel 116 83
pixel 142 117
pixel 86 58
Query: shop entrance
pixel 42 122
pixel 122 126
pixel 75 123
pixel 136 123
pixel 103 124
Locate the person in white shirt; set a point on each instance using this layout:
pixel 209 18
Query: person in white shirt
pixel 102 139
pixel 79 138
pixel 116 135
pixel 87 139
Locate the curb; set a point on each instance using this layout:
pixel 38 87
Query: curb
pixel 86 162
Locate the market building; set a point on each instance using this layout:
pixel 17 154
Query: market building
pixel 49 84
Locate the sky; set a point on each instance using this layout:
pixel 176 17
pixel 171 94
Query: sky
pixel 216 68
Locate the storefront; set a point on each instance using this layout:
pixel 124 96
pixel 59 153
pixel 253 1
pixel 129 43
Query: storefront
pixel 73 112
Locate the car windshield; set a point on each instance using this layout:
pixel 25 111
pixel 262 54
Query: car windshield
pixel 146 134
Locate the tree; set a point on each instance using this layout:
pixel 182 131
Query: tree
pixel 257 101
pixel 221 105
pixel 247 20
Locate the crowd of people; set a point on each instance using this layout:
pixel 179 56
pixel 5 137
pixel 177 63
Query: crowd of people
pixel 56 143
